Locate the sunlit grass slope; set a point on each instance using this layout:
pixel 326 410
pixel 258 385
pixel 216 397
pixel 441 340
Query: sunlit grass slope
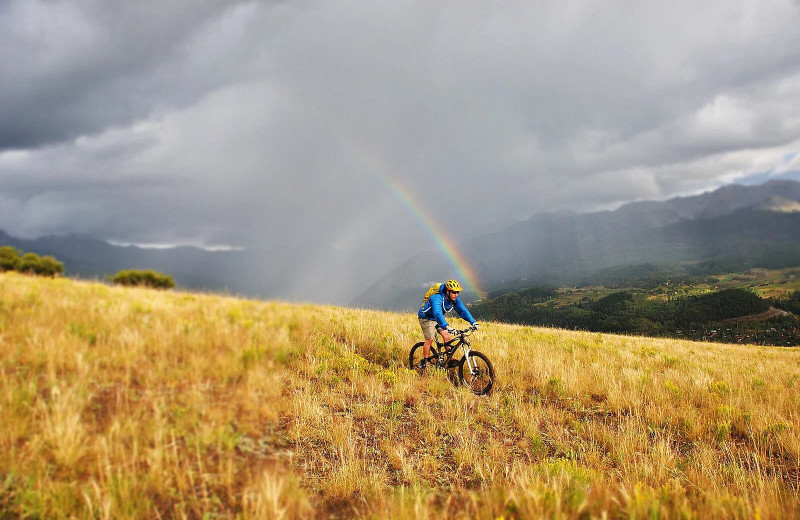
pixel 128 403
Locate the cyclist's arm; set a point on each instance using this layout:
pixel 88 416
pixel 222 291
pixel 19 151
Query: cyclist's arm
pixel 462 311
pixel 436 307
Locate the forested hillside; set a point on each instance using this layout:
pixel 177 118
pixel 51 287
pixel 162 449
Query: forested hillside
pixel 734 315
pixel 741 227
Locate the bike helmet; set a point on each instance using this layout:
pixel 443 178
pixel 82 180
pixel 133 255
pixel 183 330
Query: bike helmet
pixel 453 285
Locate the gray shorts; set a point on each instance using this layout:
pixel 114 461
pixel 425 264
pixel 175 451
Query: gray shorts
pixel 428 328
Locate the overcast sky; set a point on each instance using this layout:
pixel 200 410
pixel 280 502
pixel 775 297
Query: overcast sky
pixel 274 123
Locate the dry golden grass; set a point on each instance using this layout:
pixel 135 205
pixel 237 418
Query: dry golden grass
pixel 128 403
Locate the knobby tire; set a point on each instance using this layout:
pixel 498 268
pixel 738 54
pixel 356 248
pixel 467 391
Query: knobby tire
pixel 416 355
pixel 481 382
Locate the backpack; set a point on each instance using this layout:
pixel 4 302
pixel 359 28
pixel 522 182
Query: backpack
pixel 432 290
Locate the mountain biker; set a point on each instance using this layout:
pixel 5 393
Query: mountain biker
pixel 431 314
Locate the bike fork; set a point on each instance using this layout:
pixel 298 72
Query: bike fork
pixel 468 359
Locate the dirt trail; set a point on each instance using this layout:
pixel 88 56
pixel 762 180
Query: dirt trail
pixel 770 313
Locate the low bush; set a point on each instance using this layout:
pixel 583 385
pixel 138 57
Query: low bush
pixel 146 278
pixel 29 263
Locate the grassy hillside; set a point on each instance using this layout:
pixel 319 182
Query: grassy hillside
pixel 128 403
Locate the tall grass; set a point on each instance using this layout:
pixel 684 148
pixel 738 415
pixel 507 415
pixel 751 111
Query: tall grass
pixel 133 403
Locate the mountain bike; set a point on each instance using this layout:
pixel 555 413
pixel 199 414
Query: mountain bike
pixel 473 370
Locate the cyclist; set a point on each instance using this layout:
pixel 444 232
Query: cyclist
pixel 431 314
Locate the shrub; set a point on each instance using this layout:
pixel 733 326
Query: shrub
pixel 146 278
pixel 9 259
pixel 49 266
pixel 29 263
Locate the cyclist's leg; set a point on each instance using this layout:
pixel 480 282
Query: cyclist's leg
pixel 429 332
pixel 426 347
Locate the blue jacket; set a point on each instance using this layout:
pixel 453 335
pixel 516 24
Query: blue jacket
pixel 438 304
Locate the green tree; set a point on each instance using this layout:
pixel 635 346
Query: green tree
pixel 145 278
pixel 49 266
pixel 9 259
pixel 30 263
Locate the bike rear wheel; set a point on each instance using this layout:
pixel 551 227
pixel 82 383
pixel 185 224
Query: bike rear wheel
pixel 480 378
pixel 417 354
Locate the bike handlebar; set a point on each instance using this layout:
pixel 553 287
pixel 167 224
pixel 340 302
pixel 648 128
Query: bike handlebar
pixel 456 333
pixel 464 332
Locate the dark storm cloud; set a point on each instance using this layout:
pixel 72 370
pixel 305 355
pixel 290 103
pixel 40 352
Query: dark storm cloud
pixel 267 123
pixel 74 68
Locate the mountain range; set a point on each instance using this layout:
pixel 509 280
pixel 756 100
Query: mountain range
pixel 259 273
pixel 752 225
pixel 745 225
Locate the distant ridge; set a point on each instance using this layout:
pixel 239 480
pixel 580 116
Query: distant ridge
pixel 756 224
pixel 779 204
pixel 753 224
pixel 236 272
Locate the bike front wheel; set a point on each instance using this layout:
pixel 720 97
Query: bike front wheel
pixel 478 373
pixel 417 354
pixel 453 367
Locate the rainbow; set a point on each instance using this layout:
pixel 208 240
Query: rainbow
pixel 464 270
pixel 456 258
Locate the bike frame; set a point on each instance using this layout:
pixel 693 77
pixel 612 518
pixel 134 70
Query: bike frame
pixel 460 340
